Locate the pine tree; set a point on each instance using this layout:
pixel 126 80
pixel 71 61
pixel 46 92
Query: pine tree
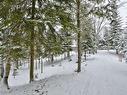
pixel 20 18
pixel 99 11
pixel 87 35
pixel 125 38
pixel 78 2
pixel 115 27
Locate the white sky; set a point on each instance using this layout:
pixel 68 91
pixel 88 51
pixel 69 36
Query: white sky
pixel 123 11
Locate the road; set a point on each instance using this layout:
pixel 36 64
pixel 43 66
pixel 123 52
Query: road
pixel 104 75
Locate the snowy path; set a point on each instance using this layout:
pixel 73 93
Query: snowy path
pixel 104 75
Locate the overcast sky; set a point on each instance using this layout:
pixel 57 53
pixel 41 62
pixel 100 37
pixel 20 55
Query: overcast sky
pixel 123 11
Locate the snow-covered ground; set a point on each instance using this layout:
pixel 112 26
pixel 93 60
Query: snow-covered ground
pixel 104 75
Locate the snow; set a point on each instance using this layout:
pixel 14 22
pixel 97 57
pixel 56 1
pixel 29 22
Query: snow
pixel 23 74
pixel 104 75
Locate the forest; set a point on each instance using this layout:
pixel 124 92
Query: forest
pixel 38 35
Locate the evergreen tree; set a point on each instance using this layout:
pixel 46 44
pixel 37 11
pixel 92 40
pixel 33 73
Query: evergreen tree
pixel 30 18
pixel 115 27
pixel 99 10
pixel 87 34
pixel 125 37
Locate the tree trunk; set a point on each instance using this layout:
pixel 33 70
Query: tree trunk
pixel 68 54
pixel 78 36
pixel 36 64
pixel 2 68
pixel 52 58
pixel 117 52
pixel 7 72
pixel 32 45
pixel 39 62
pixel 85 55
pixel 17 64
pixel 41 65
